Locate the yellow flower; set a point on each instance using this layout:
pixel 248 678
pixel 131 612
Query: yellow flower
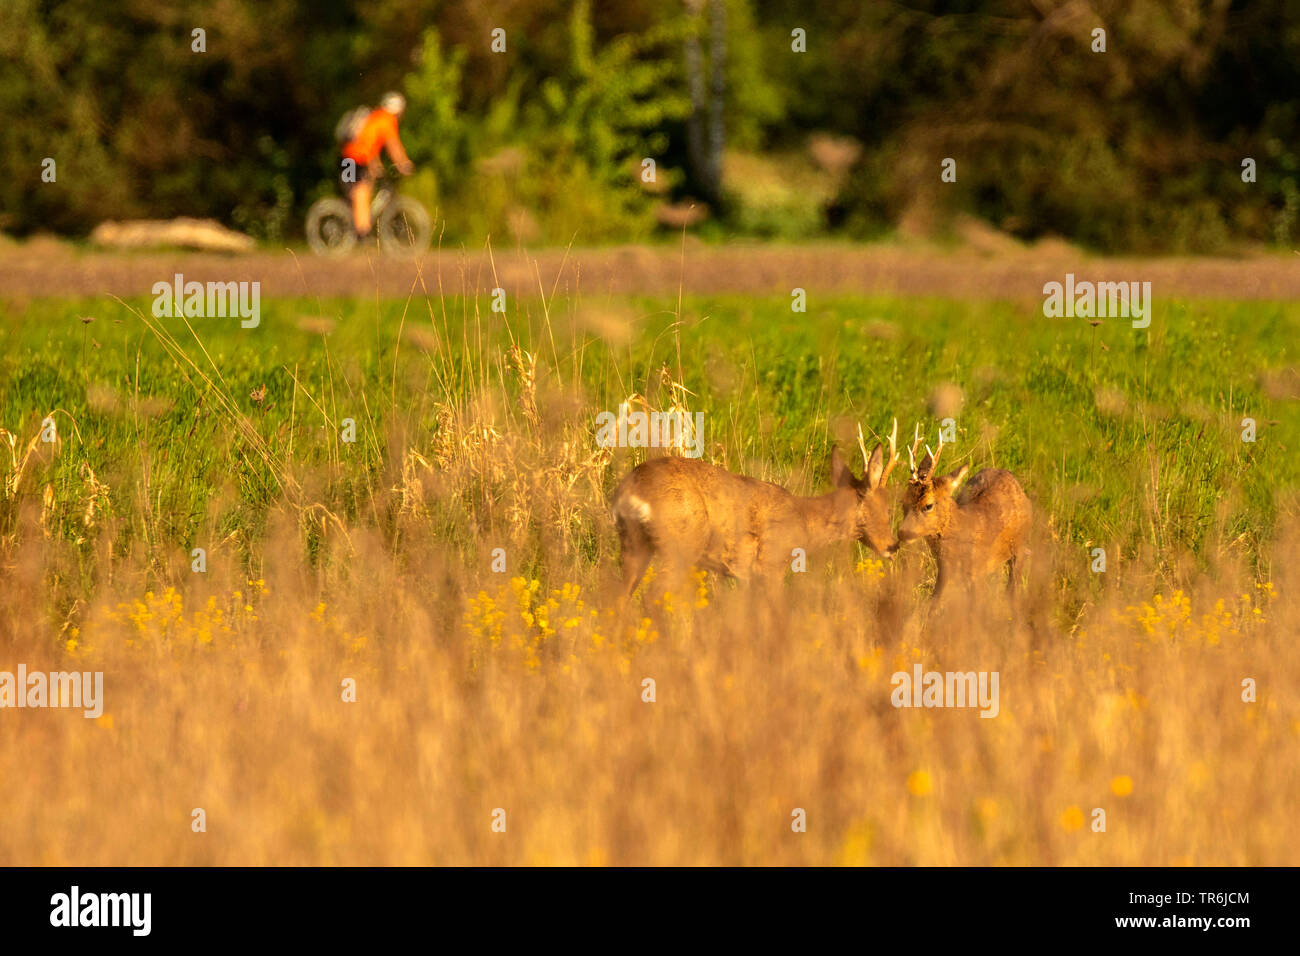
pixel 871 662
pixel 856 848
pixel 919 783
pixel 870 568
pixel 1072 819
pixel 1122 785
pixel 701 588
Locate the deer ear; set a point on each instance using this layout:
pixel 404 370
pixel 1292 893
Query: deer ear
pixel 875 467
pixel 841 476
pixel 954 478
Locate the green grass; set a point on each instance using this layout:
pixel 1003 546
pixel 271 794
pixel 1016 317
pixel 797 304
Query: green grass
pixel 1155 465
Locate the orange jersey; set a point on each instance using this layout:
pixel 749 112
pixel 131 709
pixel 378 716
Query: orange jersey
pixel 376 132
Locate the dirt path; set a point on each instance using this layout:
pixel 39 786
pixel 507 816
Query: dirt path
pixel 47 268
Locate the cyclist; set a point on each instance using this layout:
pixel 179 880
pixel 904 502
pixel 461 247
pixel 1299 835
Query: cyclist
pixel 377 132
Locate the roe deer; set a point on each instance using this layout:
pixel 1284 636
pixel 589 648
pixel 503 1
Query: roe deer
pixel 690 513
pixel 971 533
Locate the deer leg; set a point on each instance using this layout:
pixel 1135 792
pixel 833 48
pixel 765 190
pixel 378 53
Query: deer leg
pixel 634 565
pixel 637 550
pixel 766 591
pixel 939 578
pixel 677 584
pixel 936 597
pixel 939 582
pixel 1012 588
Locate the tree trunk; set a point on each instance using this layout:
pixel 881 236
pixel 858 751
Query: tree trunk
pixel 695 151
pixel 717 115
pixel 704 147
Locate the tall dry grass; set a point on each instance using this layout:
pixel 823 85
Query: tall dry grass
pixel 479 690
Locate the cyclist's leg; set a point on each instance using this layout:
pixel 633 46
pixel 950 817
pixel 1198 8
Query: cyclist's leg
pixel 361 205
pixel 362 208
pixel 350 184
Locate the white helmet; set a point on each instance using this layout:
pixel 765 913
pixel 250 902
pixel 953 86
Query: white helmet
pixel 394 103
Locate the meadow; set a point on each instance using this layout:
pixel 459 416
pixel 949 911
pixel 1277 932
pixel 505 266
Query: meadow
pixel 328 559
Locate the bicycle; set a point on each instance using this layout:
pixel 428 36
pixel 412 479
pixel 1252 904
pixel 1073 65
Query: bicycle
pixel 402 224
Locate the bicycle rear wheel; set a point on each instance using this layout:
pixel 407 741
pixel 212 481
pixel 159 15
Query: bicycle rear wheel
pixel 329 227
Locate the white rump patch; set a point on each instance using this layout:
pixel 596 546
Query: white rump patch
pixel 633 507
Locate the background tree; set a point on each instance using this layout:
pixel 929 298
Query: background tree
pixel 1139 147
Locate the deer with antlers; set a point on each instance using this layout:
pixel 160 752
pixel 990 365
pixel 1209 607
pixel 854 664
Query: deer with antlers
pixel 692 514
pixel 972 532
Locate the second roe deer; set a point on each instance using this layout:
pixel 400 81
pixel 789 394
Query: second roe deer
pixel 689 513
pixel 972 532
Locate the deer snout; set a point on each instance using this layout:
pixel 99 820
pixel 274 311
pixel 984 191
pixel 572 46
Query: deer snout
pixel 883 547
pixel 906 534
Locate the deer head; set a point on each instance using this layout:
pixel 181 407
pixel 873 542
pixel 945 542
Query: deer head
pixel 872 524
pixel 928 504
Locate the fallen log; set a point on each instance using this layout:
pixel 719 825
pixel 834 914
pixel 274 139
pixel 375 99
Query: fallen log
pixel 205 234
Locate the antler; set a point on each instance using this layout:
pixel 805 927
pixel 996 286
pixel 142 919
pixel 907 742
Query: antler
pixel 891 464
pixel 893 454
pixel 934 455
pixel 911 452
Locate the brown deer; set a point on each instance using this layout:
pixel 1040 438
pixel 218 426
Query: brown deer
pixel 689 513
pixel 971 533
